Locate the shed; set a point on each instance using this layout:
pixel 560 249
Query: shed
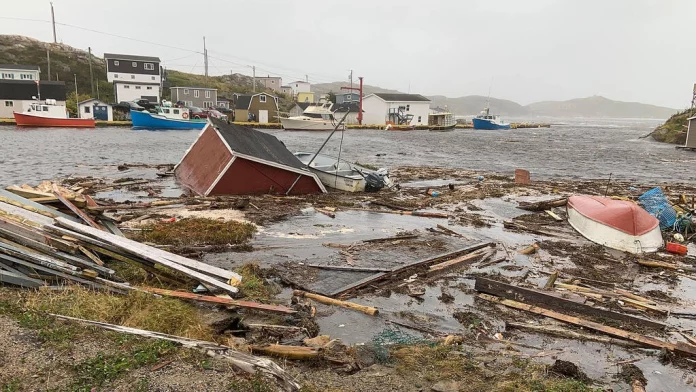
pixel 96 109
pixel 691 134
pixel 228 159
pixel 263 106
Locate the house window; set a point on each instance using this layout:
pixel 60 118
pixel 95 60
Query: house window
pixel 25 76
pixel 408 107
pixel 9 104
pixel 149 87
pixel 126 86
pixel 272 81
pixel 135 65
pixel 137 87
pixel 132 76
pixel 86 109
pixel 8 76
pixel 262 98
pixel 419 118
pixel 115 76
pixel 207 93
pixel 189 103
pixel 196 93
pixel 116 63
pixel 152 77
pixel 185 91
pixel 149 66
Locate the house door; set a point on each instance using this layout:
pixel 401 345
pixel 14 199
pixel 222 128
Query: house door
pixel 263 116
pixel 101 113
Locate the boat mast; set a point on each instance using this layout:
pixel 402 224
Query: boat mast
pixel 488 101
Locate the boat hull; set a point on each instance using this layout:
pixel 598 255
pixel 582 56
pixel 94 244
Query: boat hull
pixel 146 120
pixel 441 128
pixel 290 124
pixel 608 236
pixel 480 123
pixel 341 183
pixel 27 120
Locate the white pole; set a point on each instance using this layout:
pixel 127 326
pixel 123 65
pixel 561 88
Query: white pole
pixel 77 99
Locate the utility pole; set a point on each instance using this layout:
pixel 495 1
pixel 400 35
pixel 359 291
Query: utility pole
pixel 360 91
pixel 306 78
pixel 48 59
pixel 351 81
pixel 91 75
pixel 253 69
pixel 53 21
pixel 77 100
pixel 205 57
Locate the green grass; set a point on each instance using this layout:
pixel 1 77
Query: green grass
pixel 197 231
pixel 674 129
pixel 13 385
pixel 257 383
pixel 253 284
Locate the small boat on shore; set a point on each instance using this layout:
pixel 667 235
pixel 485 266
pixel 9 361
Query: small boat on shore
pixel 343 175
pixel 442 121
pixel 166 118
pixel 314 118
pixel 49 114
pixel 488 121
pixel 617 224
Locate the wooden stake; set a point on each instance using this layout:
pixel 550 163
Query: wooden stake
pixel 552 279
pixel 344 304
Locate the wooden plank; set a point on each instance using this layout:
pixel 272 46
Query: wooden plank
pixel 395 238
pixel 662 264
pixel 18 201
pixel 25 216
pixel 346 268
pixel 111 227
pixel 74 208
pixel 344 304
pixel 611 331
pixel 543 205
pixel 568 334
pixel 241 361
pixel 515 293
pixel 141 249
pixel 43 197
pixel 152 254
pixel 17 279
pixel 220 300
pixel 91 255
pixel 457 262
pixel 450 231
pixel 417 263
pixel 554 216
pixel 289 352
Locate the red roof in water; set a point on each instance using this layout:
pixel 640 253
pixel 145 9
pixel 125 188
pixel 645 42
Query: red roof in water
pixel 619 214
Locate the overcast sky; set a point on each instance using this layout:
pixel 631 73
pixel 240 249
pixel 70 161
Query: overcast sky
pixel 531 50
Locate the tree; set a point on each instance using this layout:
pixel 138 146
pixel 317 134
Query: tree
pixel 332 96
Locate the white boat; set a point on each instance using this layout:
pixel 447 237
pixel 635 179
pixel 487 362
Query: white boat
pixel 617 224
pixel 343 175
pixel 314 118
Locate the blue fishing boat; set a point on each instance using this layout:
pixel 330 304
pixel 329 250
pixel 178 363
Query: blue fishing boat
pixel 485 120
pixel 166 118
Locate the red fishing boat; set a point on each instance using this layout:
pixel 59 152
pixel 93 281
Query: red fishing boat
pixel 48 114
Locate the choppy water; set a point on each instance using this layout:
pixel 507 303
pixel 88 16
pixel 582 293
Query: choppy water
pixel 576 148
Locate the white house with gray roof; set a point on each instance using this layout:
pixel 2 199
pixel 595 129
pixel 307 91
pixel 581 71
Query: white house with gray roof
pixel 134 77
pixel 397 108
pixel 20 72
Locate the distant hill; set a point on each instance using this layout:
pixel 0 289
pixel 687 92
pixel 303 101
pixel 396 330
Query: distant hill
pixel 473 104
pixel 598 106
pixel 335 87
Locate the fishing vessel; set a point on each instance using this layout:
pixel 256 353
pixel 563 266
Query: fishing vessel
pixel 166 118
pixel 488 121
pixel 50 114
pixel 342 175
pixel 314 118
pixel 441 121
pixel 617 224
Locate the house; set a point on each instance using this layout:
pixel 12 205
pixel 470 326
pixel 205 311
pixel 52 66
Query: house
pixel 300 87
pixel 201 97
pixel 134 77
pixel 223 102
pixel 304 96
pixel 340 110
pixel 18 95
pixel 96 109
pixel 263 106
pixel 273 83
pixel 691 133
pixel 347 97
pixel 299 108
pixel 228 159
pixel 286 90
pixel 398 108
pixel 20 72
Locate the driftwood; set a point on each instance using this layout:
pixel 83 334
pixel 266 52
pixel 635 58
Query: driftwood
pixel 662 264
pixel 531 249
pixel 517 226
pixel 450 231
pixel 395 238
pixel 554 216
pixel 219 300
pixel 289 352
pixel 457 262
pixel 543 205
pixel 565 333
pixel 425 214
pixel 683 348
pixel 345 268
pixel 392 206
pixel 489 263
pixel 328 213
pixel 244 362
pixel 344 304
pixel 551 281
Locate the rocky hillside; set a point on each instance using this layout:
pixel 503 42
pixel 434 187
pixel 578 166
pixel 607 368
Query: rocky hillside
pixel 473 104
pixel 598 106
pixel 335 87
pixel 674 129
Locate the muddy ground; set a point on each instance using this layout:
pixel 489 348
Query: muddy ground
pixel 291 235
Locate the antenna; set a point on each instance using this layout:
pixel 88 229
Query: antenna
pixel 53 21
pixel 205 57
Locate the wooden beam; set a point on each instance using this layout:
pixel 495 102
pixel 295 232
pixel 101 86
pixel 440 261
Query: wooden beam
pixel 387 239
pixel 516 293
pixel 611 331
pixel 18 279
pixel 457 262
pixel 543 205
pixel 289 352
pixel 219 300
pixel 151 253
pixel 346 268
pixel 74 208
pixel 568 334
pixel 18 201
pixel 344 304
pixel 554 216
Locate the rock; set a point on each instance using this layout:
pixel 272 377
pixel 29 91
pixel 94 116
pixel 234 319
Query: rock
pixel 568 369
pixel 446 386
pixel 365 355
pixel 318 342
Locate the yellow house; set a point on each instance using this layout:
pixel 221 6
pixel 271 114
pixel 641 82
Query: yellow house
pixel 305 97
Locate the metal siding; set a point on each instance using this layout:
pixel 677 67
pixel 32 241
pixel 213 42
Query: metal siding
pixel 245 177
pixel 691 134
pixel 204 162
